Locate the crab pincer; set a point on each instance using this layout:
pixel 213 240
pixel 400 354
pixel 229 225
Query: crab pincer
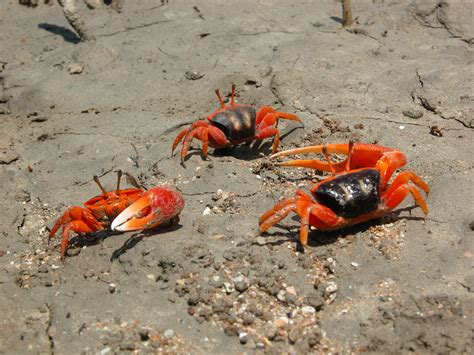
pixel 156 206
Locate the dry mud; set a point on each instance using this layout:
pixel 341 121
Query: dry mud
pixel 401 77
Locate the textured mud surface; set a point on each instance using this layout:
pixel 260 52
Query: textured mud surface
pixel 401 76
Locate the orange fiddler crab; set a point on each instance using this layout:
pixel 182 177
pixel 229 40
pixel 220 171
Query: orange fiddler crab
pixel 122 210
pixel 357 191
pixel 232 125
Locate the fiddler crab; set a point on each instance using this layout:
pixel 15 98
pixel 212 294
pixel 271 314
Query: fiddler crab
pixel 232 125
pixel 121 210
pixel 357 191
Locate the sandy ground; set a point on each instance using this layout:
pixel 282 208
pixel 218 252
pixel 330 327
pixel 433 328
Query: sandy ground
pixel 401 77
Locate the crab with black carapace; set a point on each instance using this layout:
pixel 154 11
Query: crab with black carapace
pixel 352 196
pixel 232 125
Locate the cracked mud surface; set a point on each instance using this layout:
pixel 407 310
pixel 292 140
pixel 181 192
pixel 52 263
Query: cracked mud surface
pixel 401 77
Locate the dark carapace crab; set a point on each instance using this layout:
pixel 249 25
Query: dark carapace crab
pixel 357 192
pixel 233 124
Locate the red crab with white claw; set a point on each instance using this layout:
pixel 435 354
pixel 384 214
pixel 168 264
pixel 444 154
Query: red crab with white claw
pixel 350 196
pixel 232 125
pixel 122 210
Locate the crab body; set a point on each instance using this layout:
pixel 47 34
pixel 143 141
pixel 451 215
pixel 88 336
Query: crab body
pixel 122 210
pixel 350 196
pixel 232 125
pixel 237 123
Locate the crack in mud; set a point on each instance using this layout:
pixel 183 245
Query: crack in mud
pixel 132 28
pixel 48 328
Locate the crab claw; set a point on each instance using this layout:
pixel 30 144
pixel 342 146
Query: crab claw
pixel 156 206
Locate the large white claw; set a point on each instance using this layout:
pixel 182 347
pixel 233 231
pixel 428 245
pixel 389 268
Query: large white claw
pixel 156 206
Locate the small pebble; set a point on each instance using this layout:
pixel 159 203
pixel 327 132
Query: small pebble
pixel 76 68
pixel 207 211
pixel 229 288
pixel 243 337
pixel 144 334
pixel 331 287
pixel 308 310
pixel 169 333
pixel 112 288
pixel 354 264
pixel 415 114
pixel 193 75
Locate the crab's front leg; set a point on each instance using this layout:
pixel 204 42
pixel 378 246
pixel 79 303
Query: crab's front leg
pixel 266 123
pixel 400 188
pixel 156 206
pixel 76 219
pixel 310 212
pixel 359 155
pixel 203 131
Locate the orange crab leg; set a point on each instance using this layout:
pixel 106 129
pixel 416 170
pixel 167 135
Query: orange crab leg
pixel 77 219
pixel 309 211
pixel 273 120
pixel 403 178
pixel 157 205
pixel 202 130
pixel 396 197
pixel 178 139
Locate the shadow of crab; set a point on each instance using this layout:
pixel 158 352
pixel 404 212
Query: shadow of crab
pixel 79 241
pixel 320 238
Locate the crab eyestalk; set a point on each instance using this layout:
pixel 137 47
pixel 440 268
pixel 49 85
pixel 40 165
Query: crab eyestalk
pixel 156 206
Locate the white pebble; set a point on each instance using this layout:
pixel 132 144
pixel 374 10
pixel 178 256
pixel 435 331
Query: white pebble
pixel 308 310
pixel 207 211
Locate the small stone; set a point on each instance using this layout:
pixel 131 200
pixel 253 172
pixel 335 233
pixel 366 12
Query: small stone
pixel 415 114
pixel 308 310
pixel 316 301
pixel 243 337
pixel 193 75
pixel 281 296
pixel 151 277
pixel 229 288
pixel 331 287
pixel 231 330
pixel 169 333
pixel 261 240
pixel 207 211
pixel 294 335
pixel 75 68
pixel 112 287
pixel 241 286
pixel 43 269
pixel 144 334
pixel 354 264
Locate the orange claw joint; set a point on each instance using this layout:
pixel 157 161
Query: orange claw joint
pixel 156 206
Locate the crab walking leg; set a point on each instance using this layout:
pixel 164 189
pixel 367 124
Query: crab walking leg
pixel 265 110
pixel 156 206
pixel 77 219
pixel 323 218
pixel 76 226
pixel 396 197
pixel 179 138
pixel 277 213
pixel 403 178
pixel 388 163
